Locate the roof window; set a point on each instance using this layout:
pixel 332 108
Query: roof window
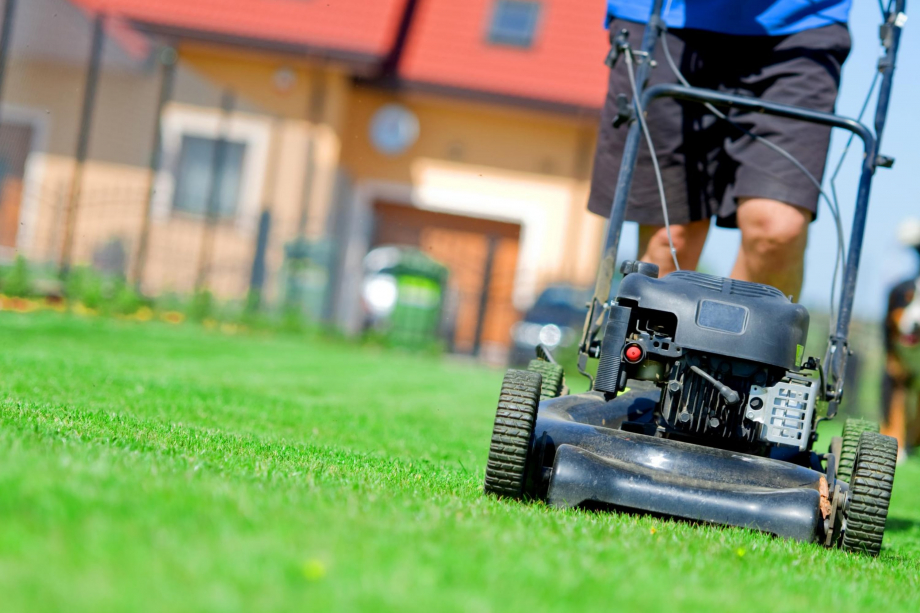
pixel 514 22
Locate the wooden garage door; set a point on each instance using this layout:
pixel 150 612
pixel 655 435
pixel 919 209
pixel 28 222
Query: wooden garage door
pixel 471 248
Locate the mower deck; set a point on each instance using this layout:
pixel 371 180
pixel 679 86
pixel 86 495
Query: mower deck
pixel 593 461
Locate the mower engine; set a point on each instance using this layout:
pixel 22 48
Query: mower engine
pixel 725 353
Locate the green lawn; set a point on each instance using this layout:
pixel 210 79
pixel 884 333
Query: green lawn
pixel 146 467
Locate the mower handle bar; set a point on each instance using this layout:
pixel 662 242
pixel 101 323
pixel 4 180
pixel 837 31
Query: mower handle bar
pixel 748 103
pixel 870 163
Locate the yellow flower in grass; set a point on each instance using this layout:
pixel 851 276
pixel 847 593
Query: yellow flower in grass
pixel 80 309
pixel 143 314
pixel 313 570
pixel 19 305
pixel 173 317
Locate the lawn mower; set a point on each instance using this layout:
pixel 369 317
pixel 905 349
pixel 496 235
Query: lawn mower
pixel 703 407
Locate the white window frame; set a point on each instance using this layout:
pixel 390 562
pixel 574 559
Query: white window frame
pixel 253 131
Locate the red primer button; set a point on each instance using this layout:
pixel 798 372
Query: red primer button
pixel 633 353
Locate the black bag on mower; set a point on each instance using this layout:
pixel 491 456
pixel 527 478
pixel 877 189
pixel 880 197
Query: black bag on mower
pixel 703 407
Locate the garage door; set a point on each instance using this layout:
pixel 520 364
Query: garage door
pixel 481 255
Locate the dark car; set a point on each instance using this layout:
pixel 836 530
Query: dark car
pixel 555 320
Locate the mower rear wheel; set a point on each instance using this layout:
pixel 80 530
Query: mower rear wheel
pixel 852 429
pixel 870 493
pixel 512 435
pixel 553 378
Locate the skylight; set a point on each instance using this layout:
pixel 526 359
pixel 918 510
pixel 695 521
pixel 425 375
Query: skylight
pixel 514 22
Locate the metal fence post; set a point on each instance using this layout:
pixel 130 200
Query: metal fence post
pixel 257 276
pixel 316 110
pixel 6 34
pixel 212 212
pixel 337 228
pixel 484 293
pixel 86 120
pixel 168 59
pixel 298 254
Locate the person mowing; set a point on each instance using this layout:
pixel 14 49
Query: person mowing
pixel 786 51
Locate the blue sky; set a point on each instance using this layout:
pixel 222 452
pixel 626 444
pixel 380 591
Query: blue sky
pixel 896 191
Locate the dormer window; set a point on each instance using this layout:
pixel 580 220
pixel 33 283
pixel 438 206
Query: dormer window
pixel 514 22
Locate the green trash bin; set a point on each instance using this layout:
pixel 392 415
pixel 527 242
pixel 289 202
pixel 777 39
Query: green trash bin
pixel 307 266
pixel 403 296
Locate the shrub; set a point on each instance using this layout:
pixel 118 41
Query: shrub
pixel 125 299
pixel 201 306
pixel 86 286
pixel 17 279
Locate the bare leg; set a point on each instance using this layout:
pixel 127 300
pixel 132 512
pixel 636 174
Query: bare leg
pixel 688 240
pixel 773 240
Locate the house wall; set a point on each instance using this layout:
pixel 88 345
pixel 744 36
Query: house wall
pixel 489 161
pixel 48 96
pixel 307 131
pixel 275 125
pixel 306 105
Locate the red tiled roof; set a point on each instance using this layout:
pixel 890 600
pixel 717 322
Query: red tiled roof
pixel 367 27
pixel 448 46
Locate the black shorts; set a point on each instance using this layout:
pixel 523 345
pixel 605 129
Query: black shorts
pixel 706 163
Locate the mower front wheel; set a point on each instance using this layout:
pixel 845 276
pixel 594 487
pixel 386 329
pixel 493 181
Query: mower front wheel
pixel 870 493
pixel 512 434
pixel 553 378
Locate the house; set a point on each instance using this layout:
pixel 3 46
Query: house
pixel 466 129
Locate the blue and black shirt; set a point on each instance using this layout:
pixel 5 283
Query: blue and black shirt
pixel 744 17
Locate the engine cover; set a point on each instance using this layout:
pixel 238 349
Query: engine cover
pixel 724 317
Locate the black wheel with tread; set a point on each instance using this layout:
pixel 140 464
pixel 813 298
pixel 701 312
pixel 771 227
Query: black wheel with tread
pixel 553 378
pixel 852 429
pixel 870 493
pixel 512 434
